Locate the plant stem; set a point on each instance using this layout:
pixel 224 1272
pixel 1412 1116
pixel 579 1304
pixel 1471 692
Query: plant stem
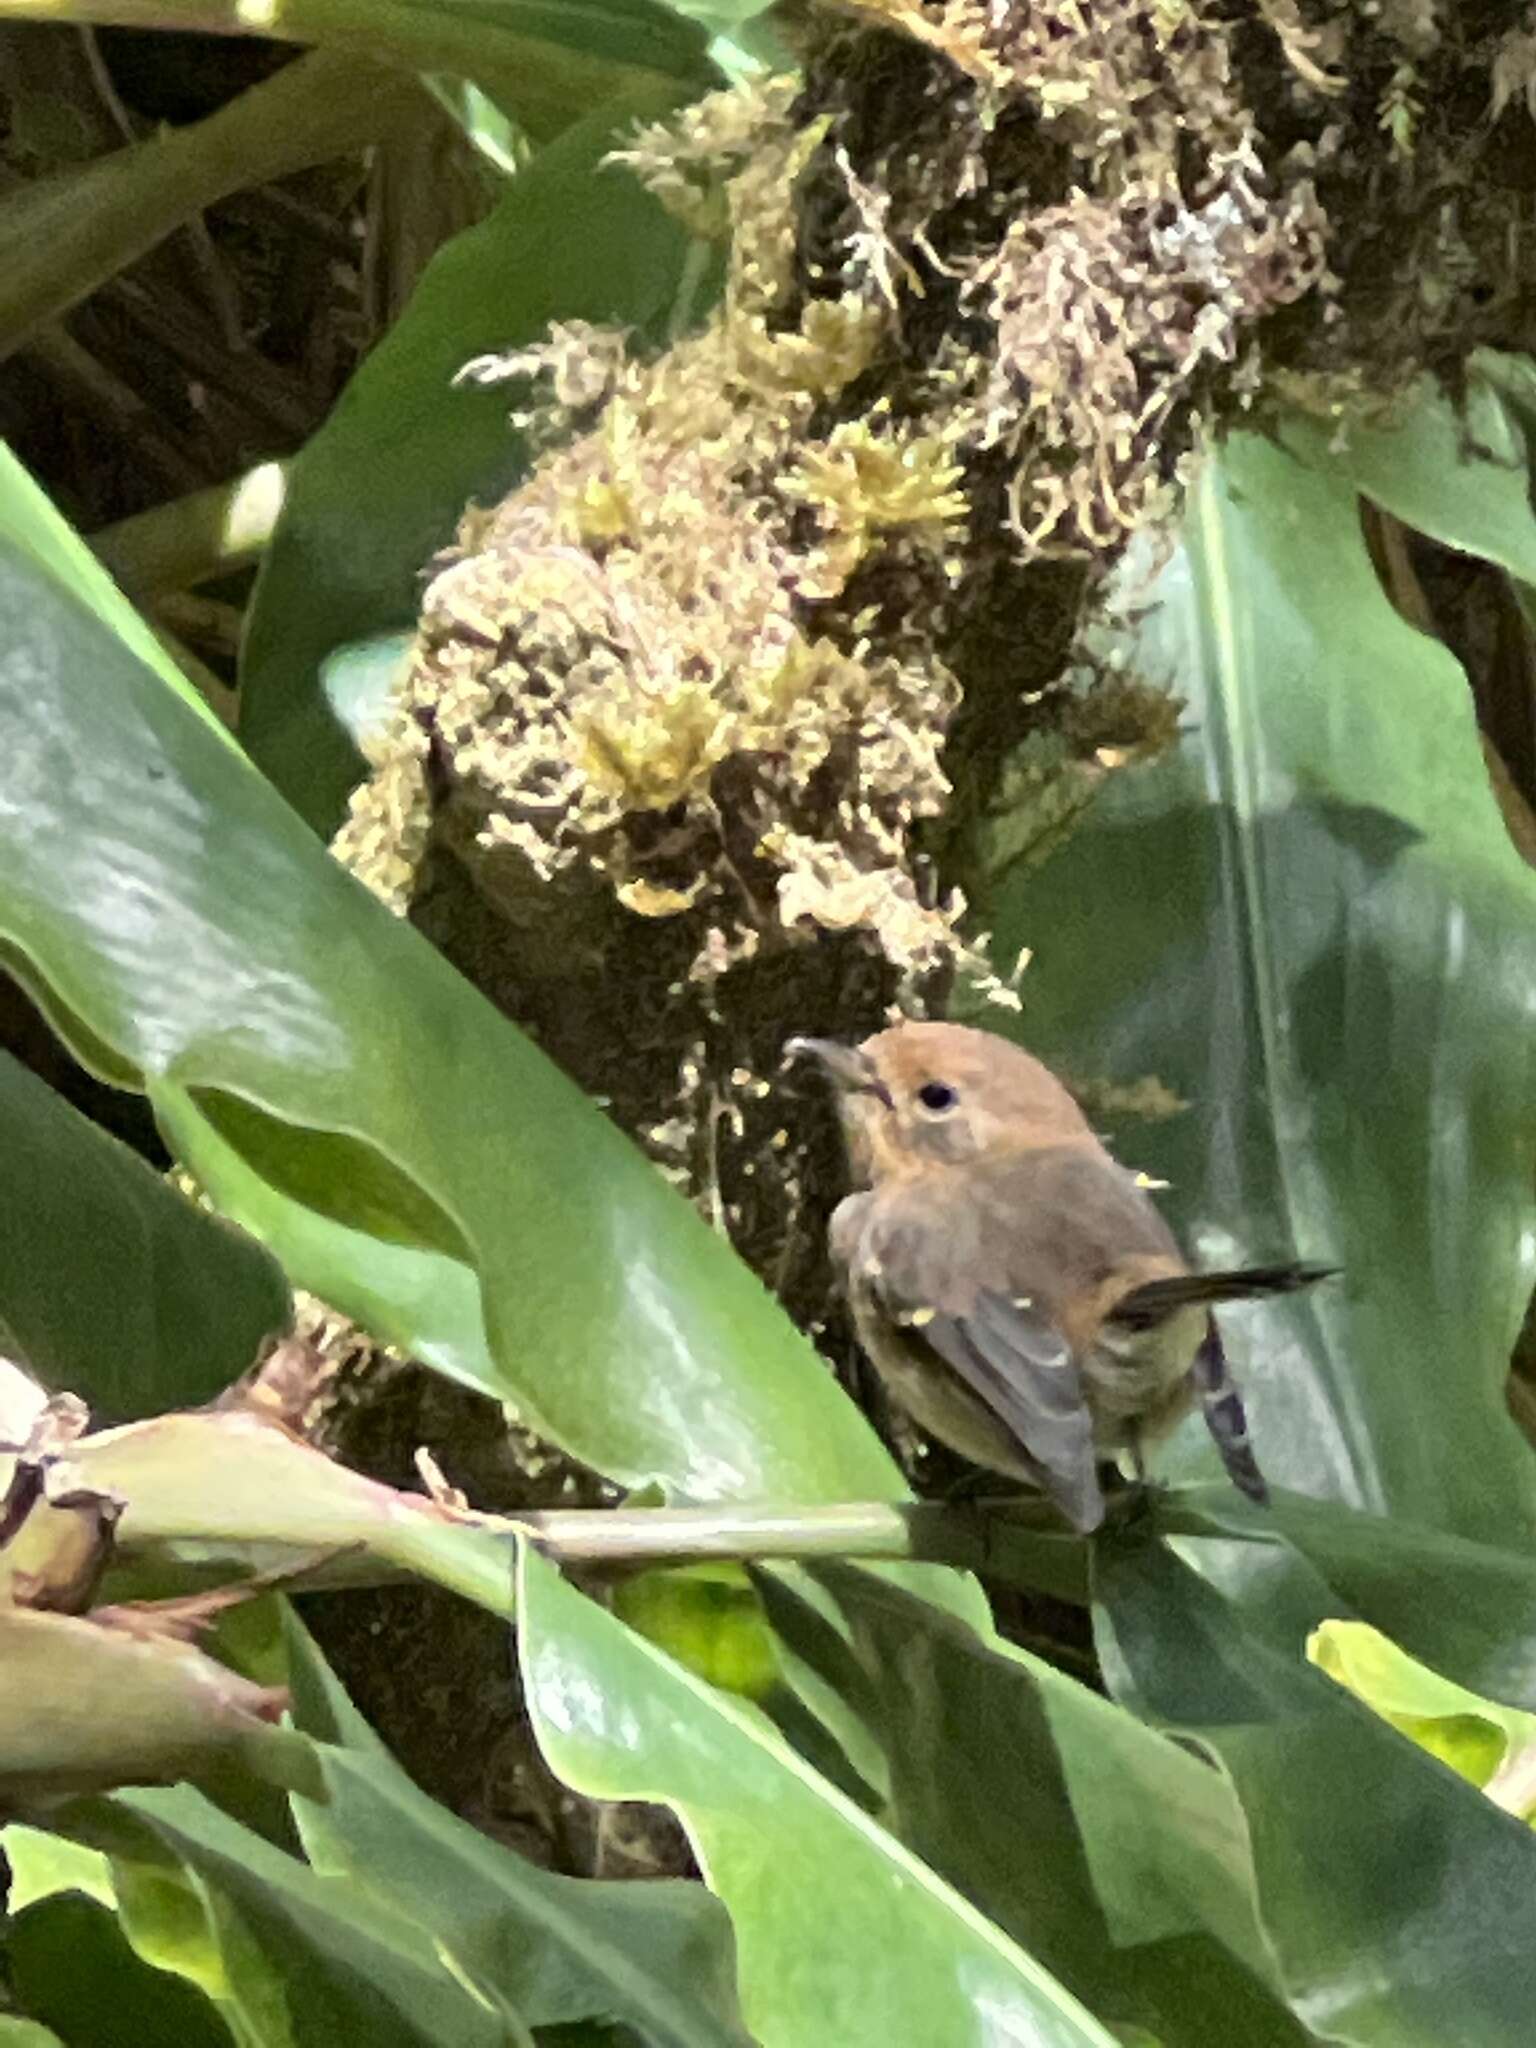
pixel 63 237
pixel 1005 1539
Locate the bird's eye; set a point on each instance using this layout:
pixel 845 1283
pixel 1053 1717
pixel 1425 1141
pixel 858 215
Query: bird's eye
pixel 937 1096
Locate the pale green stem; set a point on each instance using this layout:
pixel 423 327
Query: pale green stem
pixel 188 540
pixel 1012 1540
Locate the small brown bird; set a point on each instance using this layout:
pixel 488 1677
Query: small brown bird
pixel 1013 1285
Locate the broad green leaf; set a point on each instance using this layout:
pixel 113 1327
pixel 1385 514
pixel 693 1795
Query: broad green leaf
pixel 1311 925
pixel 112 1286
pixel 843 1936
pixel 30 525
pixel 285 1954
pixel 602 40
pixel 382 485
pixel 656 1956
pixel 1477 1737
pixel 73 1967
pixel 408 1155
pixel 1136 1888
pixel 1400 1902
pixel 642 35
pixel 389 1286
pixel 1467 1608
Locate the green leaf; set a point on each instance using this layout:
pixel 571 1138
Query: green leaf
pixel 546 62
pixel 1460 475
pixel 844 1937
pixel 707 1617
pixel 229 1487
pixel 285 1954
pixel 1137 1887
pixel 1477 1737
pixel 114 1287
pixel 43 1864
pixel 30 525
pixel 1467 1608
pixel 1311 924
pixel 1397 1898
pixel 73 1967
pixel 641 35
pixel 382 486
pixel 351 1100
pixel 657 1956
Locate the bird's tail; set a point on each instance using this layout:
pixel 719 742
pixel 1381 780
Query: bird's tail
pixel 1148 1304
pixel 1225 1416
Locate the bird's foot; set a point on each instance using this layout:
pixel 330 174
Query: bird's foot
pixel 971 1488
pixel 1129 1502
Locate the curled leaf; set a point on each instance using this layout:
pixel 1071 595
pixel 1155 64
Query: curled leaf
pixel 1492 1746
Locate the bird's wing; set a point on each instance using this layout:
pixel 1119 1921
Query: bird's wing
pixel 930 1259
pixel 1022 1367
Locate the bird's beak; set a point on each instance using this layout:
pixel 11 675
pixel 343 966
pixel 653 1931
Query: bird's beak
pixel 850 1070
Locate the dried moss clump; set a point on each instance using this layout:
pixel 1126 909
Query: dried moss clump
pixel 781 613
pixel 653 741
pixel 642 618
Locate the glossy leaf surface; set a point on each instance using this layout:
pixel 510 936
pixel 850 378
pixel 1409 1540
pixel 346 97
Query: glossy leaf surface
pixel 113 1286
pixel 343 1093
pixel 285 1954
pixel 1487 1744
pixel 656 1956
pixel 1402 1902
pixel 815 1888
pixel 1119 1860
pixel 72 1965
pixel 1310 924
pixel 1469 1609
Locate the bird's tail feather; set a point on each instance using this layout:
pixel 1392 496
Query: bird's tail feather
pixel 1155 1299
pixel 1225 1416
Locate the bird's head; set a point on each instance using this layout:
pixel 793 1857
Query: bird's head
pixel 925 1095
